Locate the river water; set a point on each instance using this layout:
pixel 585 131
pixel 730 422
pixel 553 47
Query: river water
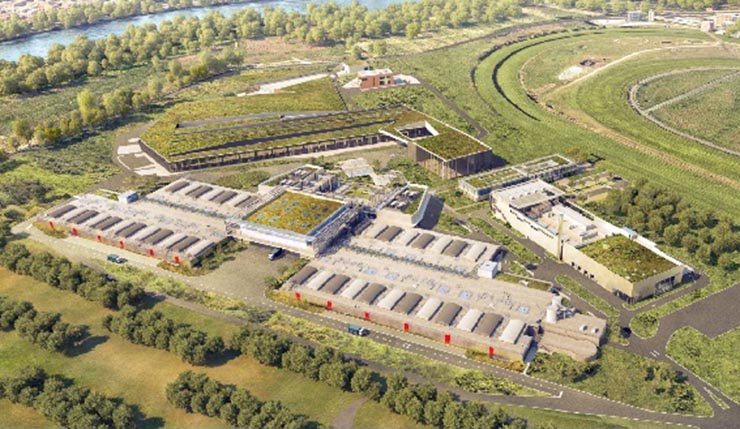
pixel 39 44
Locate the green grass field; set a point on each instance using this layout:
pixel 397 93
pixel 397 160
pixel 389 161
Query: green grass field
pixel 712 115
pixel 677 83
pixel 714 359
pixel 702 174
pixel 139 374
pixel 238 83
pixel 625 377
pixel 416 97
pixel 568 60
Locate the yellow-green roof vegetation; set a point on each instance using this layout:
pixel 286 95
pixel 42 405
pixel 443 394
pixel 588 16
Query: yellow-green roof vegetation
pixel 448 144
pixel 495 177
pixel 291 211
pixel 167 139
pixel 626 258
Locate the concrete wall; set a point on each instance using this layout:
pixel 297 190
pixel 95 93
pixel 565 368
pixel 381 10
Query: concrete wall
pixel 276 238
pixel 450 169
pixel 529 228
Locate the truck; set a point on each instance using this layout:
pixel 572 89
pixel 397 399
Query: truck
pixel 275 253
pixel 357 330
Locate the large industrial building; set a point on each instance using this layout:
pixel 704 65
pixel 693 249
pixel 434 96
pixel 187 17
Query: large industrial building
pixel 184 221
pixel 181 223
pixel 626 264
pixel 440 148
pixel 427 283
pixel 549 168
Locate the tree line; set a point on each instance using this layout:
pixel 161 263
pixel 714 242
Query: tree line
pixel 621 6
pixel 79 14
pixel 196 393
pixel 64 403
pixel 41 328
pixel 665 215
pixel 420 402
pixel 151 328
pixel 61 273
pixel 321 25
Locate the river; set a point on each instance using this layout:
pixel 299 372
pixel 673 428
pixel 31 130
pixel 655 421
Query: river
pixel 39 44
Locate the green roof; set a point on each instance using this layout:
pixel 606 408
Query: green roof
pixel 448 144
pixel 495 177
pixel 291 211
pixel 627 258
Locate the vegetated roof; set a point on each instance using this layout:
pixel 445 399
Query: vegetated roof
pixel 538 165
pixel 495 177
pixel 233 137
pixel 626 258
pixel 299 213
pixel 448 144
pixel 211 115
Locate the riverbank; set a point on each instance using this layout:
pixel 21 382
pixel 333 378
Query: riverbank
pixel 38 43
pixel 26 11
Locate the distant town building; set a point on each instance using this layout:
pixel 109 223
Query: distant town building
pixel 726 19
pixel 707 26
pixel 354 68
pixel 634 16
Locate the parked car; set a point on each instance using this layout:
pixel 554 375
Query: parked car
pixel 357 330
pixel 116 259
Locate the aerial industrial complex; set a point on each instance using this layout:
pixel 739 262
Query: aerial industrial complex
pixel 367 259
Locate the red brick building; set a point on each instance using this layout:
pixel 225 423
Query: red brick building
pixel 374 79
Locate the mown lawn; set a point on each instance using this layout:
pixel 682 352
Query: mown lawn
pixel 140 374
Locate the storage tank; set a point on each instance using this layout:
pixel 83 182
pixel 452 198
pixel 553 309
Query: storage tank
pixel 552 314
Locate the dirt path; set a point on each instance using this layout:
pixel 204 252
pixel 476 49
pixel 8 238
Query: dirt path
pixel 346 419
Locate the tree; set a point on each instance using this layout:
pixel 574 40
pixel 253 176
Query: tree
pixel 363 382
pixel 89 108
pixel 726 262
pixel 412 30
pixel 705 254
pixel 336 374
pixel 22 130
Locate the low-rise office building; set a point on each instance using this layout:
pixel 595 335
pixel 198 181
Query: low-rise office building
pixel 618 259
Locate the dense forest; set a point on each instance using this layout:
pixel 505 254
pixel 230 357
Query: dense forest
pixel 321 25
